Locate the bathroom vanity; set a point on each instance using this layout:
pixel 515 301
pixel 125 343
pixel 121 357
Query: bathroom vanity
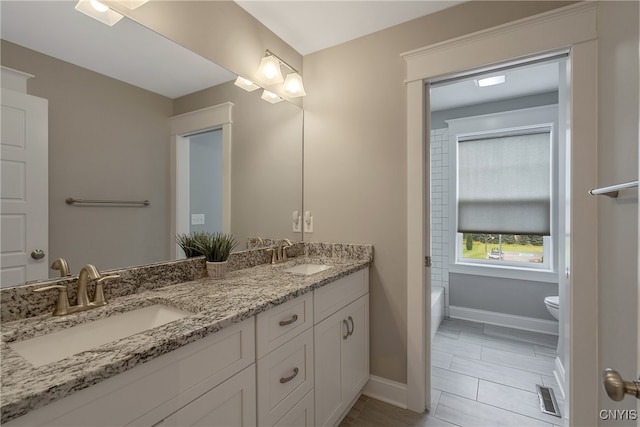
pixel 284 344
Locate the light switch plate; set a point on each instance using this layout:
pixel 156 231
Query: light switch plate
pixel 308 222
pixel 297 222
pixel 197 219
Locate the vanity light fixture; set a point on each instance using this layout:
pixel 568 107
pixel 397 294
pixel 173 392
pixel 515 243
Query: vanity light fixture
pixel 270 73
pixel 246 84
pixel 98 11
pixel 271 97
pixel 491 81
pixel 293 85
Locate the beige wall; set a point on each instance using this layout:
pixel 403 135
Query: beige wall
pixel 266 160
pixel 618 218
pixel 355 157
pixel 107 140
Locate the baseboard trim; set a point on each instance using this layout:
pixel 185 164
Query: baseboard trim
pixel 503 319
pixel 388 391
pixel 559 374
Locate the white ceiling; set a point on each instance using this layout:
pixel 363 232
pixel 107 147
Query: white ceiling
pixel 133 54
pixel 526 80
pixel 312 25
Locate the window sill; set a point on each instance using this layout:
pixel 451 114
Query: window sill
pixel 505 272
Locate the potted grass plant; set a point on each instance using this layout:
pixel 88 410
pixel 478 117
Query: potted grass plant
pixel 187 243
pixel 216 248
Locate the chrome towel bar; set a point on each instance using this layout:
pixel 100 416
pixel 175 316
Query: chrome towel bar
pixel 612 191
pixel 72 201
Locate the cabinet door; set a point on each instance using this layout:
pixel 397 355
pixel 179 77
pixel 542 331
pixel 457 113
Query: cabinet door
pixel 328 337
pixel 232 403
pixel 355 349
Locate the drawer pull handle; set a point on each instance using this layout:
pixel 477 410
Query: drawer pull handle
pixel 352 326
pixel 288 322
pixel 344 322
pixel 290 377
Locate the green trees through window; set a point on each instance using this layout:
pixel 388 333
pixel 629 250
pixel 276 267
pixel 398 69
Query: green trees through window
pixel 503 247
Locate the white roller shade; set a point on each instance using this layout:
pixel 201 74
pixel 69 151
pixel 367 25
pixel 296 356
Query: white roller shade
pixel 504 184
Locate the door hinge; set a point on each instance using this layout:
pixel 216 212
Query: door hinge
pixel 427 261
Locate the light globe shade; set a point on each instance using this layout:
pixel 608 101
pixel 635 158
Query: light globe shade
pixel 98 11
pixel 270 97
pixel 246 84
pixel 293 85
pixel 269 71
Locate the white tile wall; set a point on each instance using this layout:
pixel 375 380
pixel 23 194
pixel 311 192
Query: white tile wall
pixel 439 211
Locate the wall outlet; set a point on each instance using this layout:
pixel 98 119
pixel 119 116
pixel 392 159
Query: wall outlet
pixel 197 219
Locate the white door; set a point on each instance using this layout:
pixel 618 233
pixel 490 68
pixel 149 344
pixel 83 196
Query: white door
pixel 24 188
pixel 623 386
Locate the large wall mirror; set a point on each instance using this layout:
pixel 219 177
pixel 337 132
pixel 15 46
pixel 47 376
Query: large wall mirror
pixel 110 140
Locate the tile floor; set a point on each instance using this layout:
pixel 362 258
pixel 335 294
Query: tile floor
pixel 482 375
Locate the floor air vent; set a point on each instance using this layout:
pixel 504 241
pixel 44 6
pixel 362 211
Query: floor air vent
pixel 548 403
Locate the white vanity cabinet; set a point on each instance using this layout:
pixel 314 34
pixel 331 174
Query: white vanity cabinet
pixel 301 363
pixel 285 375
pixel 167 388
pixel 341 343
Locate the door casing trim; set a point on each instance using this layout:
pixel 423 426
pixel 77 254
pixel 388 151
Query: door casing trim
pixel 574 28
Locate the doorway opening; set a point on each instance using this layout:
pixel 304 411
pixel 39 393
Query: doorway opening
pixel 204 131
pixel 498 172
pixel 205 182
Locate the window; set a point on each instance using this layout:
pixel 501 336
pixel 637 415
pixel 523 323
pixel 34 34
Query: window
pixel 503 248
pixel 504 183
pixel 503 187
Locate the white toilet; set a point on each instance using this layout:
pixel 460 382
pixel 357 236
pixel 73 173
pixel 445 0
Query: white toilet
pixel 553 305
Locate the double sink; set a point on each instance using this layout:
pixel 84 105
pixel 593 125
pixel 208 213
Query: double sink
pixel 58 345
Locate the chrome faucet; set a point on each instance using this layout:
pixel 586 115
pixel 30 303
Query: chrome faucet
pixel 87 273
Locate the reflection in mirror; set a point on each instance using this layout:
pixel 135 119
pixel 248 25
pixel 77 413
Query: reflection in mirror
pixel 110 140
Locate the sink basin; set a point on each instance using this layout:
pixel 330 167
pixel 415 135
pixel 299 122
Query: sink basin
pixel 307 269
pixel 58 345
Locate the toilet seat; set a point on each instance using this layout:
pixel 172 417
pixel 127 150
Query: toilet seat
pixel 553 301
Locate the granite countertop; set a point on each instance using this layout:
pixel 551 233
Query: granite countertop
pixel 216 304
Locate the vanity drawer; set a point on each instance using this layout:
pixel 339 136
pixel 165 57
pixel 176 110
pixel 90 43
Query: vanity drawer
pixel 278 325
pixel 332 297
pixel 301 415
pixel 284 377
